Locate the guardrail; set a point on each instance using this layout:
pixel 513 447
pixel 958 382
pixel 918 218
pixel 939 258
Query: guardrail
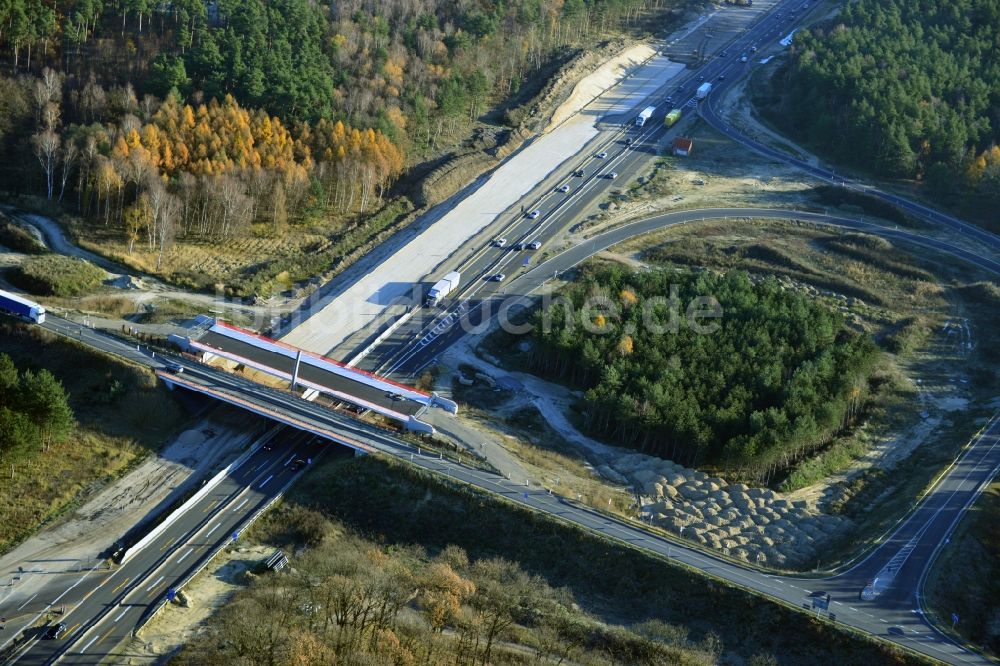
pixel 156 608
pixel 183 508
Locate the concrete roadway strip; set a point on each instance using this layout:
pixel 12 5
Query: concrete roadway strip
pixel 164 561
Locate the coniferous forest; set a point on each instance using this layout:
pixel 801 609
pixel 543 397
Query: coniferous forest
pixel 778 377
pixel 904 88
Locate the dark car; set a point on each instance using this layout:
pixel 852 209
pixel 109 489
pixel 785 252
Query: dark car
pixel 268 445
pixel 297 465
pixel 55 631
pixel 174 368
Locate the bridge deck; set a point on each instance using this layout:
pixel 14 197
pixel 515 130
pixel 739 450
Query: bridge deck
pixel 313 370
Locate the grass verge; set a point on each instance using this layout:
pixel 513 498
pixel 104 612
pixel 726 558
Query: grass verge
pixel 122 414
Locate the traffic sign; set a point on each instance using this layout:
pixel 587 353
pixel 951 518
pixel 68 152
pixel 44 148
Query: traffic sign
pixel 236 536
pixel 171 594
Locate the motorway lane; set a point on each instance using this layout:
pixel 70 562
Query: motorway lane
pixel 890 616
pixel 410 349
pixel 935 515
pixel 112 602
pixel 557 208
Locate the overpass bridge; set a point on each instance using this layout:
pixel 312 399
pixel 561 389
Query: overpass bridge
pixel 232 347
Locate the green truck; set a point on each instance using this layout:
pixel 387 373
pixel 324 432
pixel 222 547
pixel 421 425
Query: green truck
pixel 672 117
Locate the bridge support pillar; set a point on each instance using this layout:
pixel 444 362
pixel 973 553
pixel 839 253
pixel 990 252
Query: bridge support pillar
pixel 295 373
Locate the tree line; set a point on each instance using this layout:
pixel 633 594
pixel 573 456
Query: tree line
pixel 350 601
pixel 906 88
pixel 778 378
pixel 408 69
pixel 34 411
pixel 158 169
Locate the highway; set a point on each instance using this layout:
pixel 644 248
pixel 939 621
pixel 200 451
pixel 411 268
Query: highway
pixel 415 345
pixel 103 607
pixel 626 150
pixel 894 614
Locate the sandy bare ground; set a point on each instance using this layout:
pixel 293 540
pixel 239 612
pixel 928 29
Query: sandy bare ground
pixel 77 541
pixel 175 625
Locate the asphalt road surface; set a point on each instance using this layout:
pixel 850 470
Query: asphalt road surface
pixel 896 567
pixel 433 330
pixel 103 607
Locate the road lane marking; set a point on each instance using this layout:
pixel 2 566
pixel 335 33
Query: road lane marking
pixel 158 581
pixel 89 643
pixel 853 609
pixel 122 614
pixel 289 460
pixel 72 629
pixel 242 503
pixel 120 585
pixel 210 506
pixel 263 483
pixel 190 550
pixel 213 529
pixel 27 602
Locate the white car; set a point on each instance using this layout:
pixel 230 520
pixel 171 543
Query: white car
pixel 563 188
pixel 534 245
pixel 601 155
pixel 534 214
pixel 497 277
pixel 612 175
pixel 500 242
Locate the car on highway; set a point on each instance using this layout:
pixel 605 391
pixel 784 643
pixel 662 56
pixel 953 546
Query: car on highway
pixel 534 245
pixel 612 175
pixel 628 141
pixel 722 76
pixel 534 214
pixel 174 368
pixel 563 188
pixel 519 246
pixel 297 465
pixel 680 87
pixel 55 631
pixel 268 445
pixel 669 100
pixel 578 173
pixel 701 78
pixel 500 242
pixel 743 58
pixel 497 277
pixel 601 155
pixel 753 49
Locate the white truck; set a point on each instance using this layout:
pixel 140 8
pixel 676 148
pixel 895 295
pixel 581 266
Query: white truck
pixel 21 307
pixel 646 114
pixel 442 288
pixel 703 90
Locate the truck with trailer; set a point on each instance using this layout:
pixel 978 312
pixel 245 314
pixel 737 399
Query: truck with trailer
pixel 442 288
pixel 672 117
pixel 21 307
pixel 703 90
pixel 646 114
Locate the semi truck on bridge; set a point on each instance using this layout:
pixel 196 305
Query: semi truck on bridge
pixel 21 307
